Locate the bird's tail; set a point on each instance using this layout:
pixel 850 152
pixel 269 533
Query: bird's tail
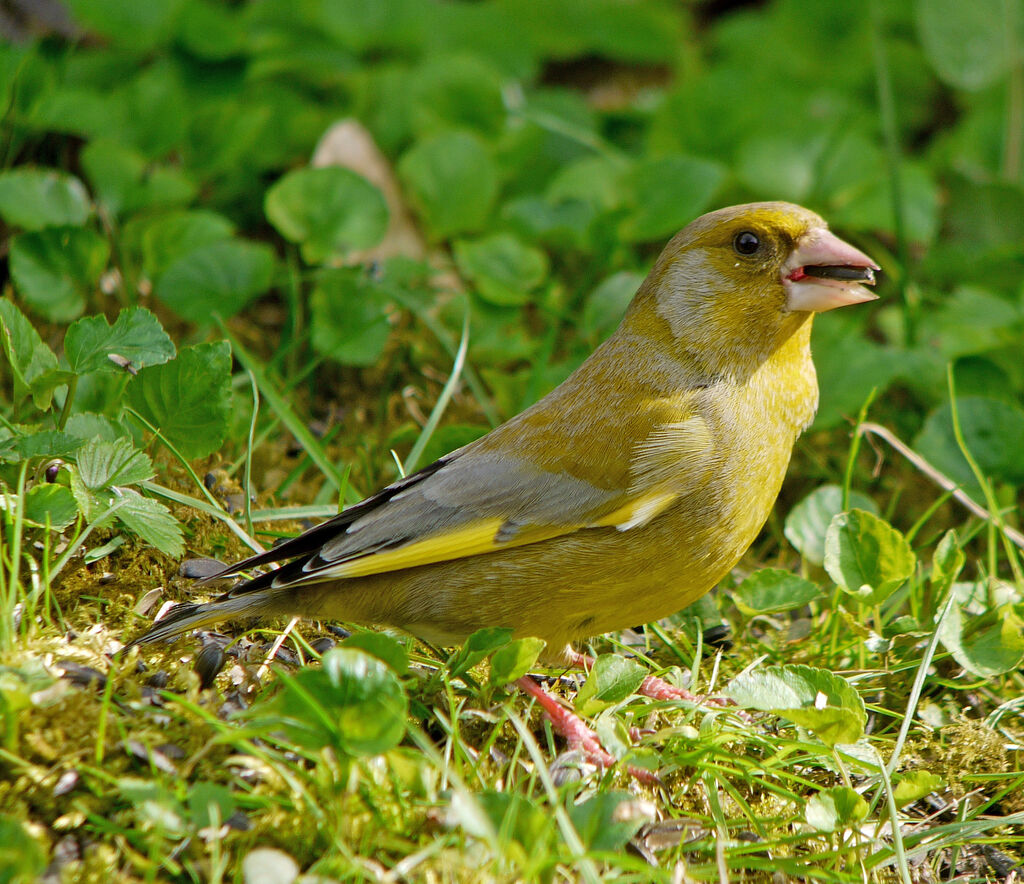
pixel 184 618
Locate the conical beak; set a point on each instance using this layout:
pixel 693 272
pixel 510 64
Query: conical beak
pixel 823 273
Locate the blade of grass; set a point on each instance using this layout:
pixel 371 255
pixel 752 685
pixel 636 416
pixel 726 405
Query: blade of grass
pixel 279 405
pixel 442 401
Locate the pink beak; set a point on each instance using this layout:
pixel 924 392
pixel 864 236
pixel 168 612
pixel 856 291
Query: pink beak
pixel 823 273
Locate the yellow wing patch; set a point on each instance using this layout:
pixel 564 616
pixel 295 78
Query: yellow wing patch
pixel 470 540
pixel 637 512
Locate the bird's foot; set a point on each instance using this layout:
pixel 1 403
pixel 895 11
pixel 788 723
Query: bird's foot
pixel 576 733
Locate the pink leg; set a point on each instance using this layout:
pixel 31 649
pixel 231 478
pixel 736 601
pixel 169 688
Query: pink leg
pixel 654 687
pixel 577 734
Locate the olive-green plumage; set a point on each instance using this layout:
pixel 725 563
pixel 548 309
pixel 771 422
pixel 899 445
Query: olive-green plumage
pixel 622 496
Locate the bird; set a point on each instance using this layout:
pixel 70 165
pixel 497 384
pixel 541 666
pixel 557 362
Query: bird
pixel 623 495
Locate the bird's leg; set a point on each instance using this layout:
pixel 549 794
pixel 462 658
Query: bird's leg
pixel 576 733
pixel 567 723
pixel 652 686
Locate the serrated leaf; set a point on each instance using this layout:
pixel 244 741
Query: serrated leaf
pixel 807 523
pixel 328 212
pixel 836 809
pixel 866 556
pixel 57 268
pixel 152 521
pixel 816 699
pixel 104 464
pixel 612 679
pixel 216 280
pixel 771 590
pixel 187 399
pixel 27 355
pixel 515 659
pixel 45 443
pixel 36 198
pixel 136 336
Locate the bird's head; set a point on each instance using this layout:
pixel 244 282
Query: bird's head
pixel 735 284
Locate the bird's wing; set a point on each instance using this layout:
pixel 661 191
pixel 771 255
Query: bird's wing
pixel 491 495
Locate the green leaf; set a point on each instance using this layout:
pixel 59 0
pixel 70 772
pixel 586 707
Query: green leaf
pixel 85 425
pixel 771 590
pixel 836 809
pixel 612 679
pixel 985 652
pixel 36 198
pixel 816 699
pixel 328 212
pixel 515 659
pixel 451 92
pixel 57 268
pixel 947 561
pixel 28 357
pixel 124 181
pixel 210 804
pixel 136 335
pixel 605 305
pixel 172 235
pixel 807 523
pixel 50 502
pixel 667 194
pixel 452 180
pixel 45 443
pixel 915 785
pixel 353 703
pixel 350 317
pixel 601 824
pixel 784 164
pixel 866 556
pixel 187 399
pixel 383 647
pixel 993 433
pixel 216 280
pixel 136 26
pixel 105 464
pixel 152 521
pixel 21 857
pixel 966 43
pixel 477 647
pixel 504 269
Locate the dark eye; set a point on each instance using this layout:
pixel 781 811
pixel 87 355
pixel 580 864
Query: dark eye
pixel 746 243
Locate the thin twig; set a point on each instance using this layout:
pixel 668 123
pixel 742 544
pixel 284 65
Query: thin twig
pixel 941 479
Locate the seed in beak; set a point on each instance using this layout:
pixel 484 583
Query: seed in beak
pixel 844 272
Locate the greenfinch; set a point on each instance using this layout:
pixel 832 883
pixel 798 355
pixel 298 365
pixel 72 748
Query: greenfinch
pixel 620 497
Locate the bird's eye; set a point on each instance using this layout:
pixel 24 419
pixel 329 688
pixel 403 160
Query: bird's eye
pixel 746 243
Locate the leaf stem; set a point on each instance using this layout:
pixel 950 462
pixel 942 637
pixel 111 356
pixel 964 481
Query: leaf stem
pixel 69 398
